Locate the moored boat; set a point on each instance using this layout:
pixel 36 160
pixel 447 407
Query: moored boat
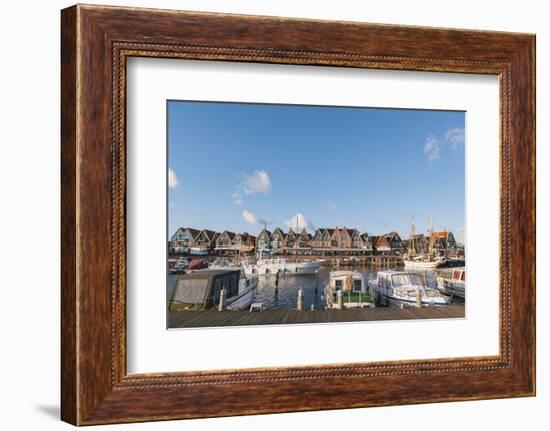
pixel 246 293
pixel 203 290
pixel 423 262
pixel 454 284
pixel 347 289
pixel 281 266
pixel 405 287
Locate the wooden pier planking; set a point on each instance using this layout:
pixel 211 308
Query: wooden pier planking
pixel 211 318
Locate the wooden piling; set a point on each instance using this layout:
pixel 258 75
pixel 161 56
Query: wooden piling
pixel 221 306
pixel 300 302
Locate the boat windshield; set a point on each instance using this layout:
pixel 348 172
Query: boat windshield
pixel 405 279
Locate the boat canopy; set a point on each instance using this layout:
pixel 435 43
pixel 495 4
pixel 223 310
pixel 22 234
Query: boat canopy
pixel 201 290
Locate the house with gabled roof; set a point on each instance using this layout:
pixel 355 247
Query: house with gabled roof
pixel 263 240
pixel 367 242
pixel 224 241
pixel 321 238
pixel 206 239
pixel 389 243
pixel 356 239
pixel 304 240
pixel 440 242
pixel 290 239
pixel 277 239
pixel 243 242
pixel 340 239
pixel 182 239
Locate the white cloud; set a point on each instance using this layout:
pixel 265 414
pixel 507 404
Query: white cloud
pixel 258 182
pixel 298 222
pixel 455 137
pixel 237 200
pixel 172 179
pixel 252 219
pixel 331 205
pixel 432 148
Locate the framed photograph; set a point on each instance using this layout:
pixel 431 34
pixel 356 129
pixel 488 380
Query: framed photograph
pixel 267 215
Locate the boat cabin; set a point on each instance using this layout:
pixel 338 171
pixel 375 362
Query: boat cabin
pixel 347 289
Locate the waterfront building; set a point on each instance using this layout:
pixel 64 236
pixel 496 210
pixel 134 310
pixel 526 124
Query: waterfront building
pixel 321 240
pixel 356 239
pixel 367 243
pixel 290 239
pixel 206 239
pixel 243 242
pixel 277 240
pixel 441 242
pixel 224 241
pixel 389 244
pixel 263 240
pixel 304 239
pixel 182 239
pixel 340 239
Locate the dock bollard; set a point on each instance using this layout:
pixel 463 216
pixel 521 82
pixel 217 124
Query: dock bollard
pixel 340 299
pixel 418 299
pixel 300 302
pixel 221 307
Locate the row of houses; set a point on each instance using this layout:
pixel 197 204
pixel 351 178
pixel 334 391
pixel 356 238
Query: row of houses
pixel 338 240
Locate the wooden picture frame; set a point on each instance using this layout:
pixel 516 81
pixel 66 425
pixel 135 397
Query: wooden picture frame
pixel 95 43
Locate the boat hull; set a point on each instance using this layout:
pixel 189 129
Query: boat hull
pixel 454 287
pixel 411 264
pixel 242 301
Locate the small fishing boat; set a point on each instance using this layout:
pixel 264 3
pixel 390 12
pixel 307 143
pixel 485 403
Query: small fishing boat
pixel 405 287
pixel 347 289
pixel 454 283
pixel 202 290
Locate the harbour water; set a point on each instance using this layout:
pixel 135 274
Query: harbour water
pixel 284 294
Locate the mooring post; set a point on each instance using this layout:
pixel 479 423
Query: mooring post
pixel 340 299
pixel 221 306
pixel 418 298
pixel 300 302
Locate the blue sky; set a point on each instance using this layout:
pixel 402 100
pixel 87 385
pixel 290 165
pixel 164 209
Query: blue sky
pixel 235 166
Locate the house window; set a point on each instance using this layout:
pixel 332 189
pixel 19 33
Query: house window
pixel 357 285
pixel 338 284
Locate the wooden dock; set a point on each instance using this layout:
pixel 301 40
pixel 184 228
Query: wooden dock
pixel 213 318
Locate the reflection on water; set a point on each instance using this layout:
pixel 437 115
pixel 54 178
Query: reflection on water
pixel 284 294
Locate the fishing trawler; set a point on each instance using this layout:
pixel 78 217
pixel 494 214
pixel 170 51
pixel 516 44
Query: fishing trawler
pixel 405 287
pixel 421 261
pixel 347 289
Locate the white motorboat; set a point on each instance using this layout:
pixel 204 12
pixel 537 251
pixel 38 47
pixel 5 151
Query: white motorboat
pixel 281 266
pixel 455 284
pixel 246 293
pixel 405 287
pixel 347 289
